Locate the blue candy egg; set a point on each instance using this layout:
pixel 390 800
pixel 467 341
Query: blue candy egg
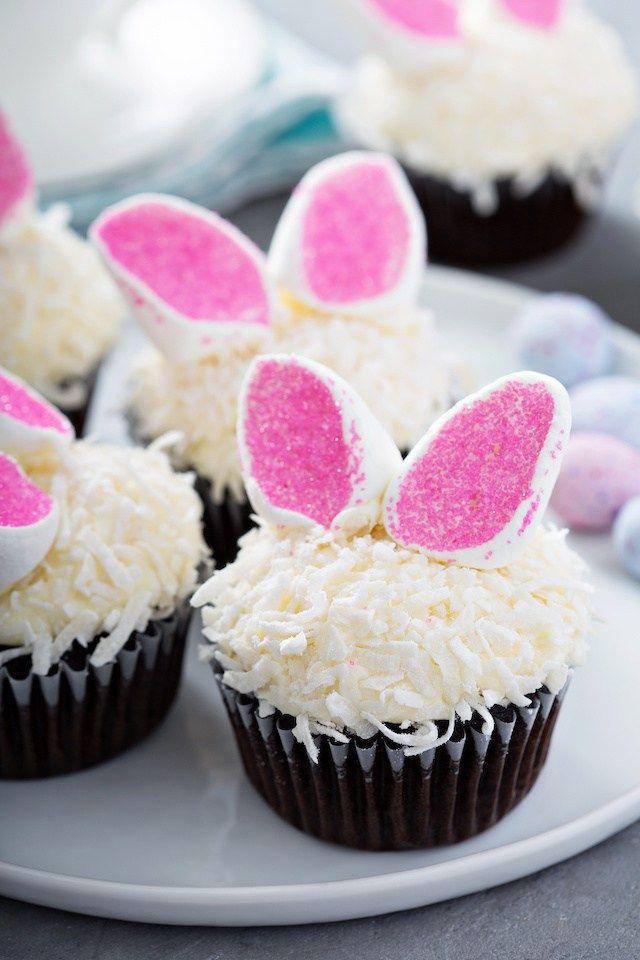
pixel 608 405
pixel 626 536
pixel 565 336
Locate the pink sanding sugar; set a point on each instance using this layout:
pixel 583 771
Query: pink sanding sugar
pixel 477 472
pixel 190 263
pixel 428 18
pixel 21 502
pixel 16 178
pixel 294 435
pixel 538 13
pixel 18 403
pixel 355 235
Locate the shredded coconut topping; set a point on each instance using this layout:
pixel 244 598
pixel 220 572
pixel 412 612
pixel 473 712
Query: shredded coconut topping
pixel 352 634
pixel 392 361
pixel 127 550
pixel 59 310
pixel 517 102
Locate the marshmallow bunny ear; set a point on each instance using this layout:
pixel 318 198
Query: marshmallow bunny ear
pixel 541 14
pixel 410 33
pixel 351 237
pixel 16 177
pixel 310 449
pixel 27 420
pixel 473 489
pixel 28 523
pixel 190 276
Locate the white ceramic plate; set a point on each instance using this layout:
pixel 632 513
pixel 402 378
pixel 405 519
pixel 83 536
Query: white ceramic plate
pixel 127 81
pixel 172 832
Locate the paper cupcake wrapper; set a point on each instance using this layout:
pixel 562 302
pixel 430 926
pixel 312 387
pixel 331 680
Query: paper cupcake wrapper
pixel 368 794
pixel 79 715
pixel 78 415
pixel 521 228
pixel 223 523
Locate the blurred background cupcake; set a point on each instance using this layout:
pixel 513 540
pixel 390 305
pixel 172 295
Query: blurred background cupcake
pixel 341 285
pixel 100 549
pixel 380 697
pixel 506 115
pixel 60 312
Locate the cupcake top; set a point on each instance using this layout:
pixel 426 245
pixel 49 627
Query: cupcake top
pixel 381 594
pixel 340 285
pixel 520 90
pixel 95 540
pixel 60 312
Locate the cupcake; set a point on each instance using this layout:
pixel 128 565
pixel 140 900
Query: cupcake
pixel 504 113
pixel 59 310
pixel 394 641
pixel 100 549
pixel 340 285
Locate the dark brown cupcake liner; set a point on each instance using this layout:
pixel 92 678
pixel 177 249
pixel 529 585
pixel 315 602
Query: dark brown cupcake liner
pixel 368 794
pixel 79 715
pixel 523 227
pixel 223 523
pixel 78 415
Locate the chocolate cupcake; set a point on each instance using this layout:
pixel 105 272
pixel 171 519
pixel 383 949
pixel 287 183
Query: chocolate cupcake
pixel 394 643
pixel 100 549
pixel 505 115
pixel 340 286
pixel 59 310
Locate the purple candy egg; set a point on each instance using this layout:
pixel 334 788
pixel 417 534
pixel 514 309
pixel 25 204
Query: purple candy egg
pixel 565 336
pixel 626 536
pixel 599 475
pixel 608 405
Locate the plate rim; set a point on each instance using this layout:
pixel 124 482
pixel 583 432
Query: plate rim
pixel 350 898
pixel 591 827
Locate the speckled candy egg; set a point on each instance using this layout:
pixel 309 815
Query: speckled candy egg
pixel 608 405
pixel 626 536
pixel 599 475
pixel 566 336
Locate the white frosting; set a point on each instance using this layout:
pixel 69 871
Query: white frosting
pixel 391 360
pixel 201 401
pixel 126 551
pixel 59 310
pixel 350 634
pixel 518 102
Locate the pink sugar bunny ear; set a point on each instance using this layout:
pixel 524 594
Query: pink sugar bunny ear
pixel 352 237
pixel 16 177
pixel 310 449
pixel 542 14
pixel 410 33
pixel 28 523
pixel 190 276
pixel 27 420
pixel 473 489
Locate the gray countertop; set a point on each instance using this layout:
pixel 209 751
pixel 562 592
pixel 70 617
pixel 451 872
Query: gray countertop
pixel 588 907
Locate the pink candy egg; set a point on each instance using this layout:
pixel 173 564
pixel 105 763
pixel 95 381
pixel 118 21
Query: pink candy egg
pixel 598 476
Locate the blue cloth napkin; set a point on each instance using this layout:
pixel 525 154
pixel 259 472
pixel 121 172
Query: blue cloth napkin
pixel 260 144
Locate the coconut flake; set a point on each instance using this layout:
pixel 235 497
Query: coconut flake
pixel 392 637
